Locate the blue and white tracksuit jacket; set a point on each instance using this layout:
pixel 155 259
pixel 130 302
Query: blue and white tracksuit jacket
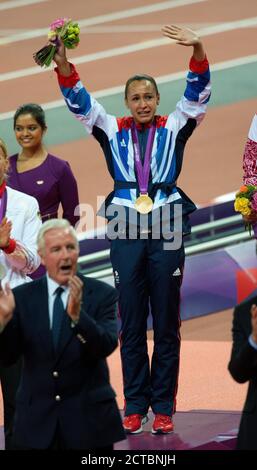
pixel 143 270
pixel 114 136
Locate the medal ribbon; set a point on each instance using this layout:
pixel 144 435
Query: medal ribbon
pixel 143 171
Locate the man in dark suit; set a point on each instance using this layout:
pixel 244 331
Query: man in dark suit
pixel 64 325
pixel 243 368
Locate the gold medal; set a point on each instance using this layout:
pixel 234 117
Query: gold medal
pixel 144 204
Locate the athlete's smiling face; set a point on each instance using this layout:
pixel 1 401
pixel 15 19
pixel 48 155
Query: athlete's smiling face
pixel 142 101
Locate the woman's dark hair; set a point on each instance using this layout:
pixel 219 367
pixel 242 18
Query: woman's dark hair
pixel 140 77
pixel 35 110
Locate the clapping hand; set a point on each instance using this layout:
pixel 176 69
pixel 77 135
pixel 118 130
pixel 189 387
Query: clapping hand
pixel 5 232
pixel 75 298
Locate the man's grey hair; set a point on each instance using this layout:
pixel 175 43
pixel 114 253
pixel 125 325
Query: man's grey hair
pixel 54 224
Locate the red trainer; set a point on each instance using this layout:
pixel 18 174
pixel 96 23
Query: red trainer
pixel 133 423
pixel 162 424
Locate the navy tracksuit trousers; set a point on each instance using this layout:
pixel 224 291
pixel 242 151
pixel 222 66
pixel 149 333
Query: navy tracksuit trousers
pixel 146 274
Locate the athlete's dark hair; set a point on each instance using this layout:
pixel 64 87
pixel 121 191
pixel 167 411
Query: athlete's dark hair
pixel 140 77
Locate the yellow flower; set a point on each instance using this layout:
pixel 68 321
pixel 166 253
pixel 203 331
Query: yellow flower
pixel 242 204
pixel 246 211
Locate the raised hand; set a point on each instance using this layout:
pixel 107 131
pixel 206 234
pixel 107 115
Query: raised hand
pixel 60 54
pixel 61 60
pixel 185 37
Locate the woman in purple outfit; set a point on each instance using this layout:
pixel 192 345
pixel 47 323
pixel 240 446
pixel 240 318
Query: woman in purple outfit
pixel 36 172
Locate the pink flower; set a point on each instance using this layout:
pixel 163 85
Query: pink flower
pixel 254 202
pixel 58 23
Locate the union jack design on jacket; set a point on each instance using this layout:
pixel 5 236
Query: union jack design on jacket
pixel 114 136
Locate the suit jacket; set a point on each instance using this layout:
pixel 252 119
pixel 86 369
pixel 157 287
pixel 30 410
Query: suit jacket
pixel 243 367
pixel 69 387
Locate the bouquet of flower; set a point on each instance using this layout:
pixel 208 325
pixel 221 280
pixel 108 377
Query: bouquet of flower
pixel 246 204
pixel 62 28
